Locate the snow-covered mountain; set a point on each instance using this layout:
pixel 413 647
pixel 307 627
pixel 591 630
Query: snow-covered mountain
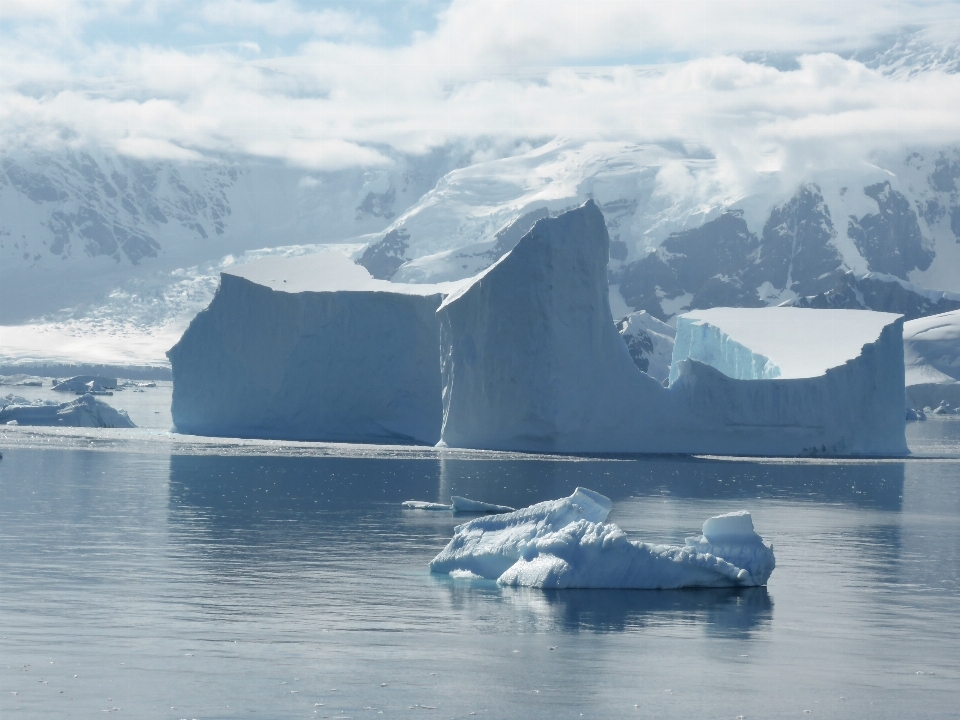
pixel 681 237
pixel 106 259
pixel 75 226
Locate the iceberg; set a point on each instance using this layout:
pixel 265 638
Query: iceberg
pixel 424 505
pixel 557 376
pixel 566 543
pixel 85 411
pixel 489 546
pixel 932 355
pixel 466 505
pixel 312 348
pixel 779 342
pixel 525 356
pixel 458 505
pixel 83 384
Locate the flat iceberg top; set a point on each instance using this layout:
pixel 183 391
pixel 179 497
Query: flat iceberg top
pixel 801 342
pixel 326 271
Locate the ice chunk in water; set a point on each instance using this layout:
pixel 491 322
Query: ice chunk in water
pixel 458 505
pixel 488 546
pixel 732 526
pixel 466 505
pixel 423 505
pixel 566 544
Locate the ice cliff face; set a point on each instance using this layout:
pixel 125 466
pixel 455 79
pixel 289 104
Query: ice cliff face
pixel 530 356
pixel 359 363
pixel 556 376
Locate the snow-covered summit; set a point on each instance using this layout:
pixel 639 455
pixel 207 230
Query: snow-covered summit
pixel 681 235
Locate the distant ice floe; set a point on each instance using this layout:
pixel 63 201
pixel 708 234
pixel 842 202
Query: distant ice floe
pixel 85 411
pixel 458 505
pixel 21 380
pixel 566 543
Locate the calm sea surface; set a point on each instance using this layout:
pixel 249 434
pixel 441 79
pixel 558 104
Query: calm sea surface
pixel 149 578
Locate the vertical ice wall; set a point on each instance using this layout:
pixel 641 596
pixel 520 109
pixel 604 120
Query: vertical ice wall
pixel 531 360
pixel 340 366
pixel 530 356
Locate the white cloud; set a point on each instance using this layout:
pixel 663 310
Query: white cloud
pixel 507 71
pixel 284 17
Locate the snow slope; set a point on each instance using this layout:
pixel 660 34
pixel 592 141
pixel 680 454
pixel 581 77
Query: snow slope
pixel 106 259
pixel 650 343
pixel 558 377
pixel 763 243
pixel 932 349
pixel 932 356
pixel 566 544
pixel 77 225
pixel 311 348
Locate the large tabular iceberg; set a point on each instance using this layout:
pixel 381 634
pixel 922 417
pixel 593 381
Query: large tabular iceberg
pixel 312 348
pixel 531 360
pixel 526 356
pixel 566 543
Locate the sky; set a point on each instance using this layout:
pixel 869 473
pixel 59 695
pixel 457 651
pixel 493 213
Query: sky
pixel 334 85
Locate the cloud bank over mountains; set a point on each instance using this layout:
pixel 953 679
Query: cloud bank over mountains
pixel 764 88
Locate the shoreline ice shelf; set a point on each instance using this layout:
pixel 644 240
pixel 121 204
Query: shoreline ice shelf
pixel 526 356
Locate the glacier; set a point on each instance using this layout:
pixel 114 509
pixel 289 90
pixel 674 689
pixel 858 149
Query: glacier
pixel 557 377
pixel 932 357
pixel 567 543
pixel 312 348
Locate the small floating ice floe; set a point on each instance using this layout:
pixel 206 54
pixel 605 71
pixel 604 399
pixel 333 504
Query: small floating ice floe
pixel 458 505
pixel 566 543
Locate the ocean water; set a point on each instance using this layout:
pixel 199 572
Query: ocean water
pixel 158 578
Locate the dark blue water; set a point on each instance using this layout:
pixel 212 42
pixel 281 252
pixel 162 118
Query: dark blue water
pixel 152 584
